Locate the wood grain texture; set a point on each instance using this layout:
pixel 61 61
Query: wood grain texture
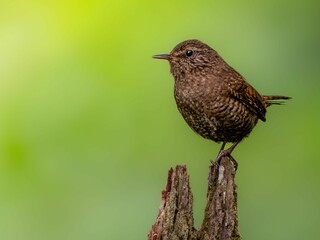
pixel 175 217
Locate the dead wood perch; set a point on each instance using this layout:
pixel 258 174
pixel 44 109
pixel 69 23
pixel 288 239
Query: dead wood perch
pixel 175 218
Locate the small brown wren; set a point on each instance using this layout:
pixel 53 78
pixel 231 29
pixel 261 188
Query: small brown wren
pixel 213 98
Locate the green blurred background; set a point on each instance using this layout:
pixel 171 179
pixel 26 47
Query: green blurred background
pixel 89 126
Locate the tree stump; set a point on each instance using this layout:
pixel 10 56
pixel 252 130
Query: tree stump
pixel 175 217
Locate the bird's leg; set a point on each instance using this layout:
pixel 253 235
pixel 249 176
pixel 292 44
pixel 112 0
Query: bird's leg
pixel 222 147
pixel 220 152
pixel 227 152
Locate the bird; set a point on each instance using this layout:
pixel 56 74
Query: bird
pixel 213 98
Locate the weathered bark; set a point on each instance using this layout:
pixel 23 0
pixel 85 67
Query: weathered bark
pixel 175 218
pixel 220 217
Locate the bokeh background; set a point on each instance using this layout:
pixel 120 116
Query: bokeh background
pixel 89 126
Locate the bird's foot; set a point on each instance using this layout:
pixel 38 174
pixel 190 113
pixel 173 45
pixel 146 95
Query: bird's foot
pixel 216 163
pixel 222 154
pixel 234 162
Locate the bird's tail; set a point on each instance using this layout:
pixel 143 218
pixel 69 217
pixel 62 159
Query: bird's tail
pixel 271 100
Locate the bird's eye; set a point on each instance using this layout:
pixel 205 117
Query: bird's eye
pixel 189 53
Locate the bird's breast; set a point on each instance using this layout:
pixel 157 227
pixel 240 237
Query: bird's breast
pixel 196 91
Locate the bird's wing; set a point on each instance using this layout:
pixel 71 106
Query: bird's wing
pixel 246 94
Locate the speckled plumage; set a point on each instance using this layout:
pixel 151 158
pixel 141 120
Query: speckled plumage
pixel 213 98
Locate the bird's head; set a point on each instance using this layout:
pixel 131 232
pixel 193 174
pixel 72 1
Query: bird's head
pixel 190 56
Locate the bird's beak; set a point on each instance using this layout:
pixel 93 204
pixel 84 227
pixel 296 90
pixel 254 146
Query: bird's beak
pixel 162 56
